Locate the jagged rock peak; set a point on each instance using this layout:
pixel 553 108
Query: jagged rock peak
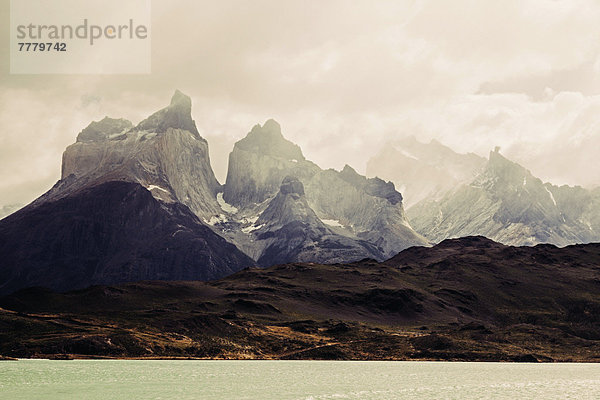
pixel 268 140
pixel 178 115
pixel 505 170
pixel 350 175
pixel 271 125
pixel 292 185
pixel 498 160
pixel 181 100
pixel 103 129
pixel 373 186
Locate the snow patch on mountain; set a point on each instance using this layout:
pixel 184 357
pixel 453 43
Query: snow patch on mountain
pixel 332 222
pixel 252 228
pixel 224 205
pixel 551 195
pixel 409 155
pixel 152 187
pixel 217 219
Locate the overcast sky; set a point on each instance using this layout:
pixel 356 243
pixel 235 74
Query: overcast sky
pixel 342 78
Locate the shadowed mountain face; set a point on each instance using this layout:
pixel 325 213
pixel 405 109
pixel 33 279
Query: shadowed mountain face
pixel 291 231
pixel 9 209
pixel 111 233
pixel 464 299
pixel 507 203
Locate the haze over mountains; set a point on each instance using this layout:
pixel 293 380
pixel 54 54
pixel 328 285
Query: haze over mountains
pixel 423 171
pixel 116 214
pixel 506 203
pixel 463 195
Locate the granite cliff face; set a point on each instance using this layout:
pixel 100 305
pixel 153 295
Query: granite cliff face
pixel 163 153
pixel 367 210
pixel 371 209
pixel 508 204
pixel 178 115
pixel 259 162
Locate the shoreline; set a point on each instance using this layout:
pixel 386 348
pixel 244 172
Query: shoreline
pixel 79 357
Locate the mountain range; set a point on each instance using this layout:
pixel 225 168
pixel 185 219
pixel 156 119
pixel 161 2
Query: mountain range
pixel 335 212
pixel 506 203
pixel 141 202
pixel 456 195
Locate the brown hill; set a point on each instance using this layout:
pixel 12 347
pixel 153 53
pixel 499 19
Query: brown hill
pixel 464 299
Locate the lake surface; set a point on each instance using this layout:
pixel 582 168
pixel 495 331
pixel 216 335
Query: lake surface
pixel 306 380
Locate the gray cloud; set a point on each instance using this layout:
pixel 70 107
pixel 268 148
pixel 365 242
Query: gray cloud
pixel 342 78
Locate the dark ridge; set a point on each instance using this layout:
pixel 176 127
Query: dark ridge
pixel 459 301
pixel 111 233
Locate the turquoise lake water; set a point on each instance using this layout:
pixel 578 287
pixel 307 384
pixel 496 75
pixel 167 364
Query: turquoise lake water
pixel 306 380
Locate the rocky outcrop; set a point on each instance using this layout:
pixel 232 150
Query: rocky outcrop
pixel 110 233
pixel 508 204
pixel 371 209
pixel 373 187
